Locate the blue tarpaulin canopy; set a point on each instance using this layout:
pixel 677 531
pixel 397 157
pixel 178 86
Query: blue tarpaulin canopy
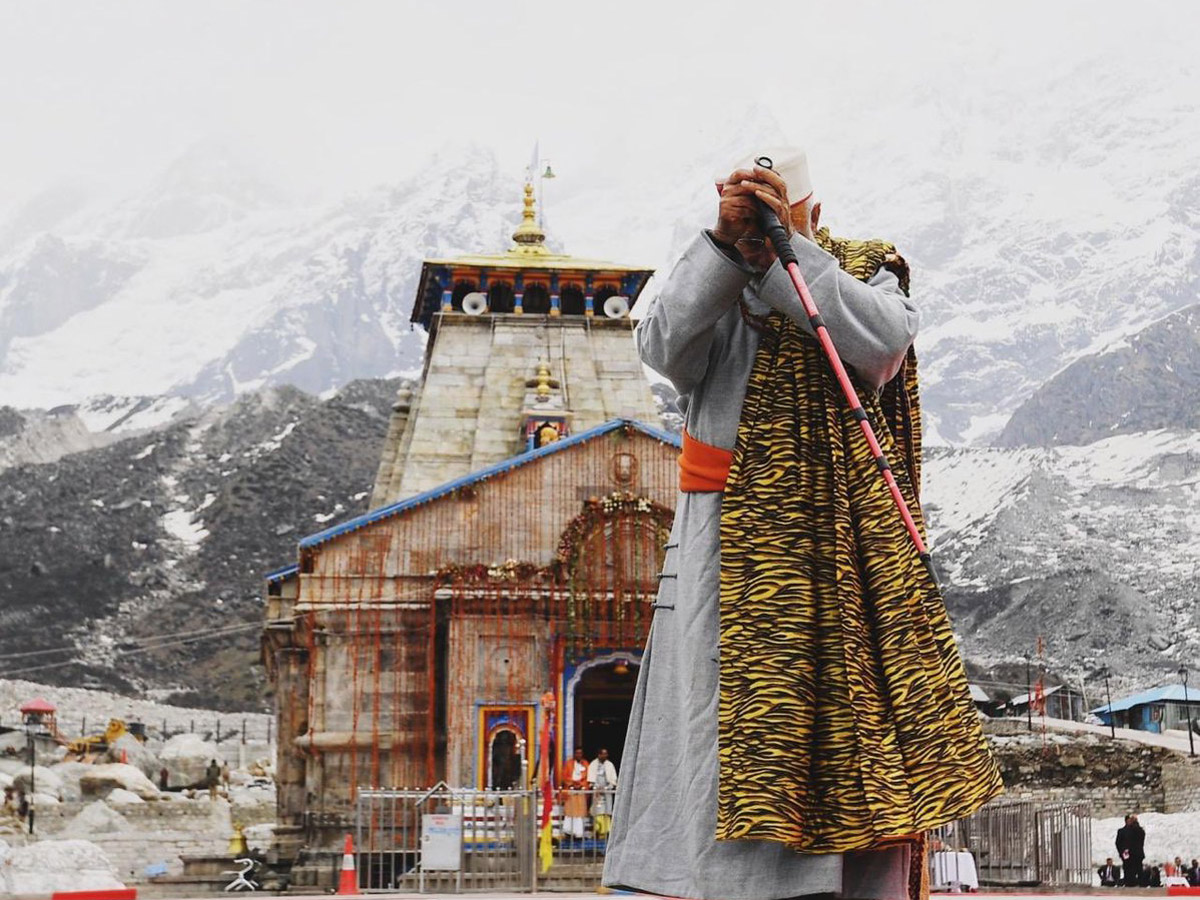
pixel 1172 692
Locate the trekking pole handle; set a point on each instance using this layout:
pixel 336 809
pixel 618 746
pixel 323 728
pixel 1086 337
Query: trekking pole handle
pixel 771 227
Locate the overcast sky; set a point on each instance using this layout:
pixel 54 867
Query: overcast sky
pixel 338 95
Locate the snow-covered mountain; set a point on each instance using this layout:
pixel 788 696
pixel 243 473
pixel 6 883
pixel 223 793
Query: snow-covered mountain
pixel 209 284
pixel 164 526
pixel 1045 214
pixel 137 517
pixel 1094 548
pixel 151 344
pixel 1146 380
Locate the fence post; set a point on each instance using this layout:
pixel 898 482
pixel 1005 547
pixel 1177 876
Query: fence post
pixel 270 722
pixel 243 730
pixel 83 727
pixel 164 731
pixel 192 725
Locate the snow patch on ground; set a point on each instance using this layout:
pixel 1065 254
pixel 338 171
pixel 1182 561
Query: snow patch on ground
pixel 1168 835
pixel 128 415
pixel 182 525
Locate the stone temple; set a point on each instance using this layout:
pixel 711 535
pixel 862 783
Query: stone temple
pixel 506 569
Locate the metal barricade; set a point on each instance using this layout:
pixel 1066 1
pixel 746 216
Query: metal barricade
pixel 580 823
pixel 455 839
pixel 445 839
pixel 1014 843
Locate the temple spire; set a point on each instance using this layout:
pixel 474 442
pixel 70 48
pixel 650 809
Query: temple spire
pixel 529 237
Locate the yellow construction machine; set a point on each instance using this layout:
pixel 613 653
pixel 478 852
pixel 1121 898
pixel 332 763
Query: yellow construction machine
pixel 84 747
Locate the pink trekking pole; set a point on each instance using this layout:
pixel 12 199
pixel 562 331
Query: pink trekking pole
pixel 774 231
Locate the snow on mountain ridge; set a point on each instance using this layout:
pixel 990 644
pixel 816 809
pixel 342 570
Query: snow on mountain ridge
pixel 278 296
pixel 1072 543
pixel 1020 197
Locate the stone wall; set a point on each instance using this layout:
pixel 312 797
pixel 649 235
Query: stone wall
pixel 162 832
pixel 1181 785
pixel 466 414
pixel 1112 777
pixel 1103 802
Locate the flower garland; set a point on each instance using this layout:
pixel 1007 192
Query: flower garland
pixel 595 512
pixel 510 571
pixel 574 537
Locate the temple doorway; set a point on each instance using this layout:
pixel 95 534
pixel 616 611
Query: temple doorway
pixel 603 701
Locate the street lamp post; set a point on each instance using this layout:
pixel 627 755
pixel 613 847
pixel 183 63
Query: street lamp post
pixel 1112 718
pixel 1183 674
pixel 1028 694
pixel 33 771
pixel 38 717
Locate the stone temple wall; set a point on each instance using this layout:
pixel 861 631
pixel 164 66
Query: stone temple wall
pixel 467 412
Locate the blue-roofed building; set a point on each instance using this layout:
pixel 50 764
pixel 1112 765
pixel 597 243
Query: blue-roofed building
pixel 1157 709
pixel 505 572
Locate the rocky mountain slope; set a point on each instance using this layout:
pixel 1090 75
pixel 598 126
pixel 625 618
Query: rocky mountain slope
pixel 1095 549
pixel 140 562
pixel 143 557
pixel 1149 380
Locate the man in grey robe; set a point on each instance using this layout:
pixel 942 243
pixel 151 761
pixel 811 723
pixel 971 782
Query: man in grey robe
pixel 697 335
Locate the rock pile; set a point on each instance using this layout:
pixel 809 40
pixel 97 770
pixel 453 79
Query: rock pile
pixel 50 866
pixel 1084 761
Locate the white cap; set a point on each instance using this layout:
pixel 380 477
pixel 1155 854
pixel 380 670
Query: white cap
pixel 791 164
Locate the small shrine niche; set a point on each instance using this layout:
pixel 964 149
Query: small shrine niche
pixel 545 418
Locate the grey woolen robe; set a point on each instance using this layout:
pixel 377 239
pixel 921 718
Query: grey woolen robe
pixel 663 833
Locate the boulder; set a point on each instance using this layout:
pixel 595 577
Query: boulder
pixel 120 795
pixel 45 781
pixel 252 805
pixel 70 773
pixel 102 780
pixel 259 837
pixel 41 801
pixel 129 749
pixel 186 757
pixel 50 866
pixel 96 818
pixel 13 743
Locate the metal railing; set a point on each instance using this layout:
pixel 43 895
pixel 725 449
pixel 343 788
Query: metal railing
pixel 456 839
pixel 218 730
pixel 1015 842
pixel 462 839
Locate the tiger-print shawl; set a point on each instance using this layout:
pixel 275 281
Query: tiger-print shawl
pixel 845 721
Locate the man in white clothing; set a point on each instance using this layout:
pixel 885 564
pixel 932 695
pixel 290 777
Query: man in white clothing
pixel 602 780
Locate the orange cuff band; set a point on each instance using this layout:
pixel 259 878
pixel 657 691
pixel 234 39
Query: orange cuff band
pixel 703 467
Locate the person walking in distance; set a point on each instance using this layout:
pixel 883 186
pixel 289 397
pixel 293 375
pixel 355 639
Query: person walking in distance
pixel 212 778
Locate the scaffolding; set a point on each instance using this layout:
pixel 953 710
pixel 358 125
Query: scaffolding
pixel 421 647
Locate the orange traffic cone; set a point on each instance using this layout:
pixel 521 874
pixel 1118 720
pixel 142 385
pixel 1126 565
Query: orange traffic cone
pixel 348 879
